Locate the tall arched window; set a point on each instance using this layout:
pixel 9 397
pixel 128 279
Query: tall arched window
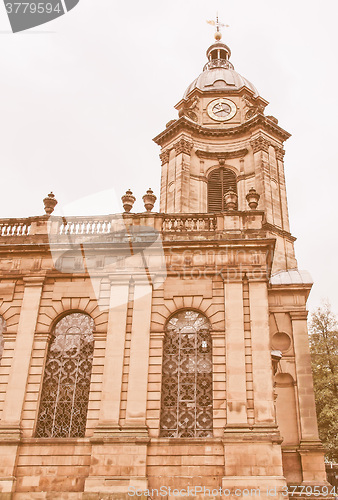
pixel 220 181
pixel 186 409
pixel 66 383
pixel 2 330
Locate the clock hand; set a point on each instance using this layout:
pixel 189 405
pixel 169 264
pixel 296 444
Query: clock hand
pixel 217 109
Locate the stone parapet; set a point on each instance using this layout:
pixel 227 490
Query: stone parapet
pixel 122 228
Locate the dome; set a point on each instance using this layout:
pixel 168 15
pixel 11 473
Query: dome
pixel 219 73
pixel 220 79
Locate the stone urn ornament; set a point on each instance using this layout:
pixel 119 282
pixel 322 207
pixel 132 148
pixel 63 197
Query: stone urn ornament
pixel 252 198
pixel 128 201
pixel 149 200
pixel 230 200
pixel 50 203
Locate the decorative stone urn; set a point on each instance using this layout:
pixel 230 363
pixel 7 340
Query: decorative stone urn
pixel 149 200
pixel 252 198
pixel 230 199
pixel 128 200
pixel 50 203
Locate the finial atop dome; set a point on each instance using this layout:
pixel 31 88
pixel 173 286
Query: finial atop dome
pixel 218 54
pixel 218 34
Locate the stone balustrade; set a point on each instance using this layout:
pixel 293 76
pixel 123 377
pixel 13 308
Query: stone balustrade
pixel 15 227
pixel 189 222
pixel 172 226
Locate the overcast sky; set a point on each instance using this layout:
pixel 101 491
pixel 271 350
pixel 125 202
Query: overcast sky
pixel 83 96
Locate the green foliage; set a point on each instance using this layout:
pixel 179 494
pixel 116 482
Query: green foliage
pixel 324 356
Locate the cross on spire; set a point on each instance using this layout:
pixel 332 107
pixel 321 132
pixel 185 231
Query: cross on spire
pixel 218 34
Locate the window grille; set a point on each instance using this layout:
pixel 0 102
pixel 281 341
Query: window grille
pixel 66 383
pixel 220 181
pixel 2 330
pixel 186 409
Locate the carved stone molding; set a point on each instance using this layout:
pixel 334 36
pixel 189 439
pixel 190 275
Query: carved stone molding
pixel 280 152
pixel 260 144
pixel 222 155
pixel 33 280
pixel 157 335
pixel 184 125
pixel 189 109
pixel 164 156
pixel 183 146
pixel 298 315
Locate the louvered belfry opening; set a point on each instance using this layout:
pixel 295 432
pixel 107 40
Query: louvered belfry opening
pixel 220 181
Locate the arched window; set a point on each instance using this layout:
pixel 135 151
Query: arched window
pixel 220 181
pixel 66 383
pixel 2 330
pixel 186 409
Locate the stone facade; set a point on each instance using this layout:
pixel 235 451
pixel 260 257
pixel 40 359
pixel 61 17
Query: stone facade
pixel 134 275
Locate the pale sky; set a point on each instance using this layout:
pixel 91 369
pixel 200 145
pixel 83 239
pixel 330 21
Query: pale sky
pixel 83 96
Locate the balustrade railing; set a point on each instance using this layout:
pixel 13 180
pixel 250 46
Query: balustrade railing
pixel 190 222
pixel 15 227
pixel 135 225
pixel 83 226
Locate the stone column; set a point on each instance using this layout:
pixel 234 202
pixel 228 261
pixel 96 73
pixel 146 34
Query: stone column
pixel 114 356
pixel 139 357
pixel 311 451
pixel 10 424
pixel 261 354
pixel 235 355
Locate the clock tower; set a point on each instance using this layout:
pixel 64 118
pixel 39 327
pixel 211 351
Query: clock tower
pixel 222 141
pixel 223 158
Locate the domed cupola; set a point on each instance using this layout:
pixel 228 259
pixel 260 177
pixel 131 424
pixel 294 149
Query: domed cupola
pixel 218 56
pixel 219 73
pixel 219 96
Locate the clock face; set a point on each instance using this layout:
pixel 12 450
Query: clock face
pixel 221 109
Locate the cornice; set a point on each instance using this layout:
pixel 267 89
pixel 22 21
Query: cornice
pixel 270 227
pixel 187 125
pixel 222 243
pixel 221 155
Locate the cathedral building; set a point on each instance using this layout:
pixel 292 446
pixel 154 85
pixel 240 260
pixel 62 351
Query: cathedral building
pixel 148 351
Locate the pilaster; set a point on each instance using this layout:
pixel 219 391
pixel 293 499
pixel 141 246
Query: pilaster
pixel 164 156
pixel 118 458
pixel 10 424
pixel 261 357
pixel 311 451
pixel 235 355
pixel 182 180
pixel 139 356
pixel 114 356
pixel 260 147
